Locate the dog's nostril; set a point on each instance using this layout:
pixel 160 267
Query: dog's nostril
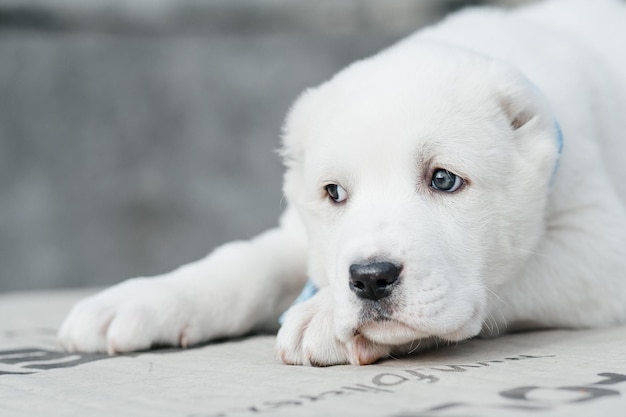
pixel 381 283
pixel 373 280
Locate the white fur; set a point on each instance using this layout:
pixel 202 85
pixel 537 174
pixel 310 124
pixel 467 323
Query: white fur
pixel 517 246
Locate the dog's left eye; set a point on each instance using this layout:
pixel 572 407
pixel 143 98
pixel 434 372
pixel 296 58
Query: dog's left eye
pixel 336 192
pixel 446 181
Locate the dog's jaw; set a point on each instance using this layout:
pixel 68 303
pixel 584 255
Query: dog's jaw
pixel 391 332
pixel 404 328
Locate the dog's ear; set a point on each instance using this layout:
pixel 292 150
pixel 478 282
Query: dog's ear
pixel 519 98
pixel 297 128
pixel 529 114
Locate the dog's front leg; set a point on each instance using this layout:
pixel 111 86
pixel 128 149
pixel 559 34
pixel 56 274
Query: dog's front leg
pixel 308 337
pixel 240 287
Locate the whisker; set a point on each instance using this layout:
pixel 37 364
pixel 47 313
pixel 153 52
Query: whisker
pixel 496 295
pixel 497 310
pixel 411 349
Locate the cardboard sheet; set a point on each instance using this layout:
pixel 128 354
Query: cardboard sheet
pixel 547 373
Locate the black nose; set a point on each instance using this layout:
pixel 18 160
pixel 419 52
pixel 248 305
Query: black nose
pixel 373 280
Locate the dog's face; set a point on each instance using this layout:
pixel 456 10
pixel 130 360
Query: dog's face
pixel 422 181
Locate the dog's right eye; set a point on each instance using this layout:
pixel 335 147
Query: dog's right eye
pixel 336 193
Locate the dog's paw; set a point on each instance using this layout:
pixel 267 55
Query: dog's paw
pixel 307 337
pixel 134 315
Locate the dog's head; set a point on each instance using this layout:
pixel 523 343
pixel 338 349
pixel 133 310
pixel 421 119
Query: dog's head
pixel 422 176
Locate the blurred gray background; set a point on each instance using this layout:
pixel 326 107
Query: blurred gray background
pixel 138 135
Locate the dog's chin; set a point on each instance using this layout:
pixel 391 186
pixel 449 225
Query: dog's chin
pixel 391 332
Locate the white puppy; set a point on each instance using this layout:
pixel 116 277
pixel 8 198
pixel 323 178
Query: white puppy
pixel 429 200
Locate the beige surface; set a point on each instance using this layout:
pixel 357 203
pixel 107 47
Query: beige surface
pixel 568 373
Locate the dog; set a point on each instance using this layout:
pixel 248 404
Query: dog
pixel 468 180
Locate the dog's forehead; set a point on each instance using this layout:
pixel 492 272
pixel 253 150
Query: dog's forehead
pixel 409 101
pixel 400 109
pixel 398 121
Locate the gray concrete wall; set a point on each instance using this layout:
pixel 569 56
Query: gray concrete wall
pixel 136 136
